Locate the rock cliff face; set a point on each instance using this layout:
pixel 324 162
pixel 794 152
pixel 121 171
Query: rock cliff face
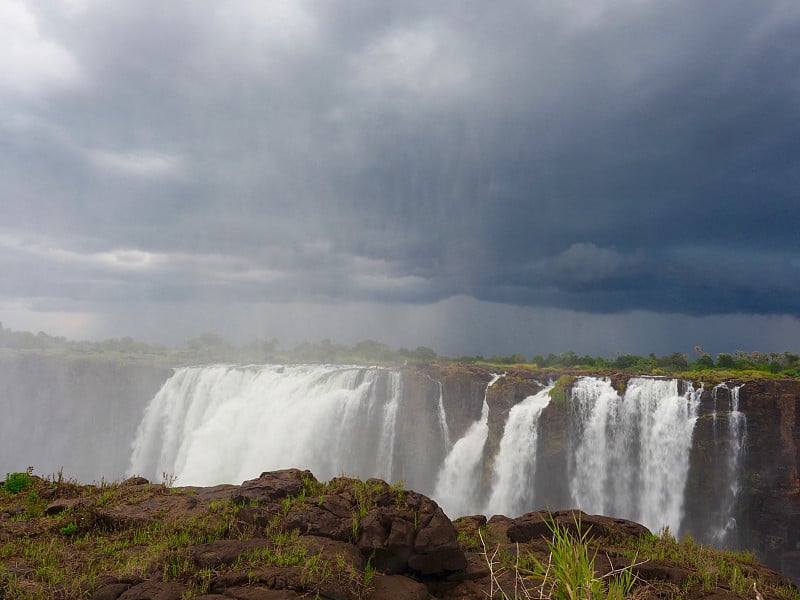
pixel 764 507
pixel 769 513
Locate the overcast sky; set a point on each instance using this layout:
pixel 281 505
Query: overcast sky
pixel 478 177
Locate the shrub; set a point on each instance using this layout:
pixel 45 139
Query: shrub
pixel 18 481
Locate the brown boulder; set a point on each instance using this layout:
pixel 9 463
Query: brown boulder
pixel 538 525
pixel 271 487
pixel 154 590
pixel 397 587
pixel 387 538
pixel 436 547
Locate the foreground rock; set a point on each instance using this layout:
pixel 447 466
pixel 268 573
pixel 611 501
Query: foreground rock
pixel 286 535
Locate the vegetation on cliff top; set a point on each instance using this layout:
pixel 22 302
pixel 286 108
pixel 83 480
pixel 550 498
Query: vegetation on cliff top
pixel 210 347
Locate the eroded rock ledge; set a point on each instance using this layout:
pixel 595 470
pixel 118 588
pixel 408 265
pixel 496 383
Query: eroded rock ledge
pixel 286 535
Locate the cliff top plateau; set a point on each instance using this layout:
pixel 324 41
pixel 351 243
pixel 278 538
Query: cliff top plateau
pixel 286 535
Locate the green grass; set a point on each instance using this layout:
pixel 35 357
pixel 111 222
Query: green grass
pixel 710 567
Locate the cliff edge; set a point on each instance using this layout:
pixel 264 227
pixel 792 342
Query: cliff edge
pixel 286 535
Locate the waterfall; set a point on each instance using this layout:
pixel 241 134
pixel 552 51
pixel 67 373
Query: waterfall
pixel 515 464
pixel 386 446
pixel 631 455
pixel 221 423
pixel 458 482
pixel 621 455
pixel 442 415
pixel 733 451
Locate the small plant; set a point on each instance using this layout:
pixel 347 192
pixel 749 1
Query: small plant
pixel 369 573
pixel 34 505
pixel 18 481
pixel 399 493
pixel 568 573
pixel 69 530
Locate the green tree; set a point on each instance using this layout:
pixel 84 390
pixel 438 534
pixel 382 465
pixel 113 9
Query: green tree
pixel 705 362
pixel 424 354
pixel 725 361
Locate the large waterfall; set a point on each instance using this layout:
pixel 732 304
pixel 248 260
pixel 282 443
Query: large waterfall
pixel 458 484
pixel 216 424
pixel 730 444
pixel 624 455
pixel 631 453
pixel 513 490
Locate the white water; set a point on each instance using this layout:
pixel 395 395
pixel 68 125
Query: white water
pixel 631 455
pixel 515 465
pixel 216 424
pixel 458 483
pixel 386 445
pixel 625 456
pixel 442 415
pixel 734 450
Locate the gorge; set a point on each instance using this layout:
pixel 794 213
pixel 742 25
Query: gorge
pixel 717 461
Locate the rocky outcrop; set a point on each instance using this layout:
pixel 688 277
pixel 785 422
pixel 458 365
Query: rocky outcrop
pixel 285 535
pixel 397 530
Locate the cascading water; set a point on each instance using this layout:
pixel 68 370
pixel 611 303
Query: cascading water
pixel 224 424
pixel 734 449
pixel 626 457
pixel 515 465
pixel 631 454
pixel 442 415
pixel 386 445
pixel 459 479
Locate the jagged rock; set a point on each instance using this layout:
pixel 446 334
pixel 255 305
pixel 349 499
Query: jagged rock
pixel 271 487
pixel 436 547
pixel 539 523
pixel 318 520
pixel 387 536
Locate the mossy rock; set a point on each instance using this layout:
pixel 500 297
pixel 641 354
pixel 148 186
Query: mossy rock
pixel 560 390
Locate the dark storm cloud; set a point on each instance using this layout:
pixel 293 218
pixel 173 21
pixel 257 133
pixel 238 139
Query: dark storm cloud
pixel 595 156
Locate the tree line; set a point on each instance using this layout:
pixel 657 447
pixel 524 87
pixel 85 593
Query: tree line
pixel 212 347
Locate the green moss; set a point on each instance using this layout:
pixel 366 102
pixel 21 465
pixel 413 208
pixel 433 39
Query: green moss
pixel 560 390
